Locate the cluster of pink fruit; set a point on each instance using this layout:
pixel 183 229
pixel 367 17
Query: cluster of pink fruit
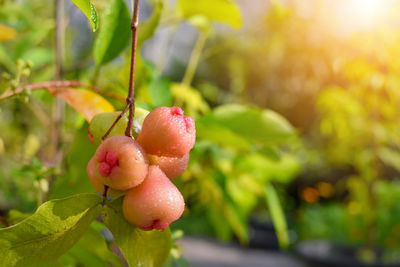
pixel 142 168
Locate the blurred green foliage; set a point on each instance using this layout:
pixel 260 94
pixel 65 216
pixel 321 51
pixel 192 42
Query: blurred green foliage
pixel 345 223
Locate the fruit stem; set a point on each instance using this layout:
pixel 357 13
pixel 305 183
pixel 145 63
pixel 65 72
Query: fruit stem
pixel 115 122
pixel 104 195
pixel 130 100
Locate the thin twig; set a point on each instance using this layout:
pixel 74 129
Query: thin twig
pixel 59 39
pixel 55 153
pixel 130 100
pixel 104 194
pixel 115 122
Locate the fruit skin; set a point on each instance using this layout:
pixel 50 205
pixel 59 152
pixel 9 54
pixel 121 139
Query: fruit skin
pixel 119 162
pixel 166 132
pixel 171 166
pixel 97 184
pixel 101 122
pixel 155 203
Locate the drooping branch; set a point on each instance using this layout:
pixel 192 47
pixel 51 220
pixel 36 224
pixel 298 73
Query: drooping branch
pixel 57 84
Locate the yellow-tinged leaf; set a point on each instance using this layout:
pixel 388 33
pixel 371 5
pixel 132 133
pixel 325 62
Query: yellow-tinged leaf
pixel 225 11
pixel 86 102
pixel 6 33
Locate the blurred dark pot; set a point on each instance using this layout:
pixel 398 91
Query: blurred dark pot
pixel 262 235
pixel 329 254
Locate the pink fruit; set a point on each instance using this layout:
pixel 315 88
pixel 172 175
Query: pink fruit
pixel 171 166
pixel 155 203
pixel 97 184
pixel 166 132
pixel 119 162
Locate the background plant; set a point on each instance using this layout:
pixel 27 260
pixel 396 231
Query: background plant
pixel 240 151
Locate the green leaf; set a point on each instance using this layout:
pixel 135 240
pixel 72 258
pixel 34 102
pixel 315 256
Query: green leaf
pixel 160 92
pixel 115 32
pixel 89 10
pixel 271 152
pixel 224 11
pixel 242 194
pixel 65 260
pixel 50 232
pixel 264 168
pixel 218 222
pixel 16 216
pixel 239 227
pixel 208 129
pixel 149 27
pixel 39 56
pixel 277 214
pixel 258 126
pixel 140 248
pixel 83 257
pixel 93 248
